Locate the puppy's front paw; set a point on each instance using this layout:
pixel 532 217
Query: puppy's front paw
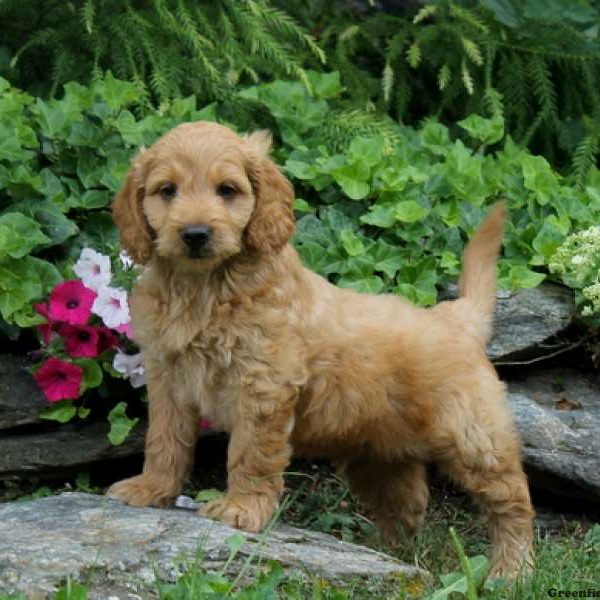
pixel 250 512
pixel 142 490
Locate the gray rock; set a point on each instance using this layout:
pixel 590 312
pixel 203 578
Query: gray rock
pixel 63 451
pixel 21 400
pixel 558 416
pixel 116 549
pixel 525 319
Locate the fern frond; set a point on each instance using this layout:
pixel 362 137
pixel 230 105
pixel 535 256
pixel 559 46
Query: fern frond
pixel 413 55
pixel 345 126
pixel 543 86
pixel 468 17
pixel 467 79
pixel 281 21
pixel 585 156
pixel 425 13
pixel 88 12
pixel 444 75
pixel 472 51
pixel 387 82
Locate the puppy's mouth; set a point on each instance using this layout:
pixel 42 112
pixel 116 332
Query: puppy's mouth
pixel 199 253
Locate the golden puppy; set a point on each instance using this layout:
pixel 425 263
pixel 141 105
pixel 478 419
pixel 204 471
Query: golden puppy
pixel 232 327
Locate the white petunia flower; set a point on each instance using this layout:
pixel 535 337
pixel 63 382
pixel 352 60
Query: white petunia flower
pixel 111 306
pixel 577 259
pixel 126 260
pixel 93 269
pixel 130 365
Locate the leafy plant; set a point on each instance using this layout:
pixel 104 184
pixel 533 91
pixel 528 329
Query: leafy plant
pixel 60 163
pixel 166 47
pixel 392 212
pixel 534 63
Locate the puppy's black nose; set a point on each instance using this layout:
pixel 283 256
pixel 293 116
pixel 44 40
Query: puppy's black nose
pixel 196 236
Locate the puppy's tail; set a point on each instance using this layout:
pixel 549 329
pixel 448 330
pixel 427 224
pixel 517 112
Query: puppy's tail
pixel 477 282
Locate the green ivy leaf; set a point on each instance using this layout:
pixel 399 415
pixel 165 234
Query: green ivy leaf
pixel 520 277
pixel 90 199
pixel 11 148
pixel 53 223
pixel 61 412
pixel 417 281
pixel 120 424
pixel 352 244
pixel 539 178
pixel 435 137
pixel 92 372
pixel 369 285
pixel 391 265
pixel 409 211
pixel 116 92
pixel 83 412
pixel 367 150
pixel 302 206
pixel 487 131
pixel 548 239
pixel 19 235
pixel 380 215
pixel 22 281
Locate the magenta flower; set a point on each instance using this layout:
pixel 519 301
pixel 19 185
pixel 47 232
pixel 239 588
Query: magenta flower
pixel 71 302
pixel 107 338
pixel 81 341
pixel 59 379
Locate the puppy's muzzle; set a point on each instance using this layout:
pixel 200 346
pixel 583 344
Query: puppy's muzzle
pixel 196 238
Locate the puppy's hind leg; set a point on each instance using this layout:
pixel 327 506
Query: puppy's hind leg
pixel 484 457
pixel 395 493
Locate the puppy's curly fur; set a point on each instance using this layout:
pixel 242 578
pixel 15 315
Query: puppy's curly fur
pixel 238 331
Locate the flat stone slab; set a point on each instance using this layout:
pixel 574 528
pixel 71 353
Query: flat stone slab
pixel 527 318
pixel 117 549
pixel 21 400
pixel 557 413
pixel 67 448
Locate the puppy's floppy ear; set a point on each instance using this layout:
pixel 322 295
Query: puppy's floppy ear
pixel 272 223
pixel 128 214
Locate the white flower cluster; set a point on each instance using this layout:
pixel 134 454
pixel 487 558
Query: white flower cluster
pixel 577 261
pixel 111 306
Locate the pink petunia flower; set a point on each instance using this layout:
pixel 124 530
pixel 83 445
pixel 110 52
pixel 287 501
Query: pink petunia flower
pixel 111 306
pixel 81 341
pixel 126 329
pixel 59 379
pixel 71 302
pixel 205 424
pixel 46 329
pixel 107 339
pixel 93 269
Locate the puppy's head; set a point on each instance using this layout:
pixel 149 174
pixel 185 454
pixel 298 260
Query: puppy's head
pixel 201 195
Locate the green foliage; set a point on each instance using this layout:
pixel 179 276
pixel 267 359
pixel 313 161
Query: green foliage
pixel 60 163
pixel 535 63
pixel 166 47
pixel 120 424
pixel 394 215
pixel 384 207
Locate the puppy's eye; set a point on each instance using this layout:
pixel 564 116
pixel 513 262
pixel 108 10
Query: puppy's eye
pixel 226 191
pixel 168 191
